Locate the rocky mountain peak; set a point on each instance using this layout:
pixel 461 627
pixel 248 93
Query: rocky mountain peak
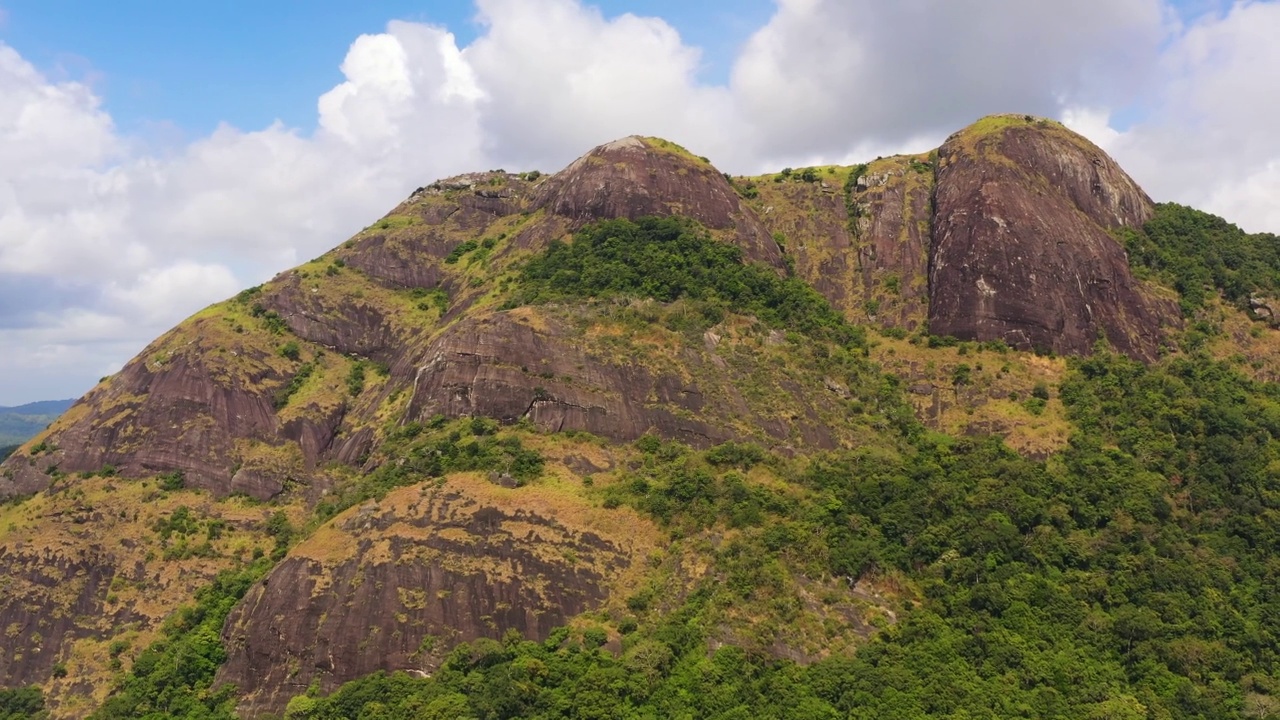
pixel 637 176
pixel 1022 248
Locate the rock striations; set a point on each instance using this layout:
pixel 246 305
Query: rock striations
pixel 1022 250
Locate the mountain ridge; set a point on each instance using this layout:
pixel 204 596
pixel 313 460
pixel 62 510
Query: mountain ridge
pixel 475 404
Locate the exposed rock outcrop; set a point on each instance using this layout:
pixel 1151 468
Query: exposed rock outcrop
pixel 164 412
pixel 1021 250
pixel 634 177
pixel 393 585
pixel 1013 244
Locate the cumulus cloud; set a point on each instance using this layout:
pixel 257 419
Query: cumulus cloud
pixel 824 74
pixel 105 241
pixel 560 78
pixel 1206 139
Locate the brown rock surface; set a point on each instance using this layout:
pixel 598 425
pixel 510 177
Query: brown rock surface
pixel 634 177
pixel 874 265
pixel 511 366
pixel 166 411
pixel 1021 249
pixel 393 585
pixel 501 368
pixel 33 580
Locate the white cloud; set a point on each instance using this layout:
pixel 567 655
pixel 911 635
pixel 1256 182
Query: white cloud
pixel 825 74
pixel 1209 140
pixel 123 241
pixel 560 78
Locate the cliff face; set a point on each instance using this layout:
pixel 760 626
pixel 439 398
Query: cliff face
pixel 1021 250
pixel 288 393
pixel 634 177
pixel 392 585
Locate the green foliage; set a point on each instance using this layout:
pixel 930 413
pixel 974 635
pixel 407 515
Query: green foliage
pixel 180 522
pixel 1034 405
pixel 422 452
pixel 740 455
pixel 852 208
pixel 393 222
pixel 1131 575
pixel 295 384
pixel 175 533
pixel 458 252
pixel 172 481
pixel 291 351
pixel 281 529
pixel 173 677
pixel 244 296
pixel 271 319
pixel 7 450
pixel 434 298
pixel 670 259
pixel 355 378
pixel 1198 253
pixel 22 704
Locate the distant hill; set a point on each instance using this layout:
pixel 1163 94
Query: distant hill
pixel 20 423
pixel 40 407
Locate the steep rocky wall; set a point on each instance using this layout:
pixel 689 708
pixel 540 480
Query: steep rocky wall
pixel 394 585
pixel 1021 250
pixel 33 579
pixel 634 177
pixel 528 364
pixel 166 411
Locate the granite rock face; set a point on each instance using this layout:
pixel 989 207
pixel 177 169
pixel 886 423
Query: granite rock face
pixel 1006 235
pixel 392 585
pixel 634 177
pixel 1021 249
pixel 160 414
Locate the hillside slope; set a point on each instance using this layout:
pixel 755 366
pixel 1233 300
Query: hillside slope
pixel 826 419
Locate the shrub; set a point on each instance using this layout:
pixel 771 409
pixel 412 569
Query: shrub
pixel 462 249
pixel 669 259
pixel 355 379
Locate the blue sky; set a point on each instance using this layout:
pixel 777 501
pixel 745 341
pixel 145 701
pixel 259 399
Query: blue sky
pixel 248 63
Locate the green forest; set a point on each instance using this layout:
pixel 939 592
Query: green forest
pixel 1134 574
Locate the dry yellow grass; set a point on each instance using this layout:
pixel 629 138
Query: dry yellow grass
pixel 110 523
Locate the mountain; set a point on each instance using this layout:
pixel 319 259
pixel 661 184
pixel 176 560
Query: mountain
pixel 20 423
pixel 979 428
